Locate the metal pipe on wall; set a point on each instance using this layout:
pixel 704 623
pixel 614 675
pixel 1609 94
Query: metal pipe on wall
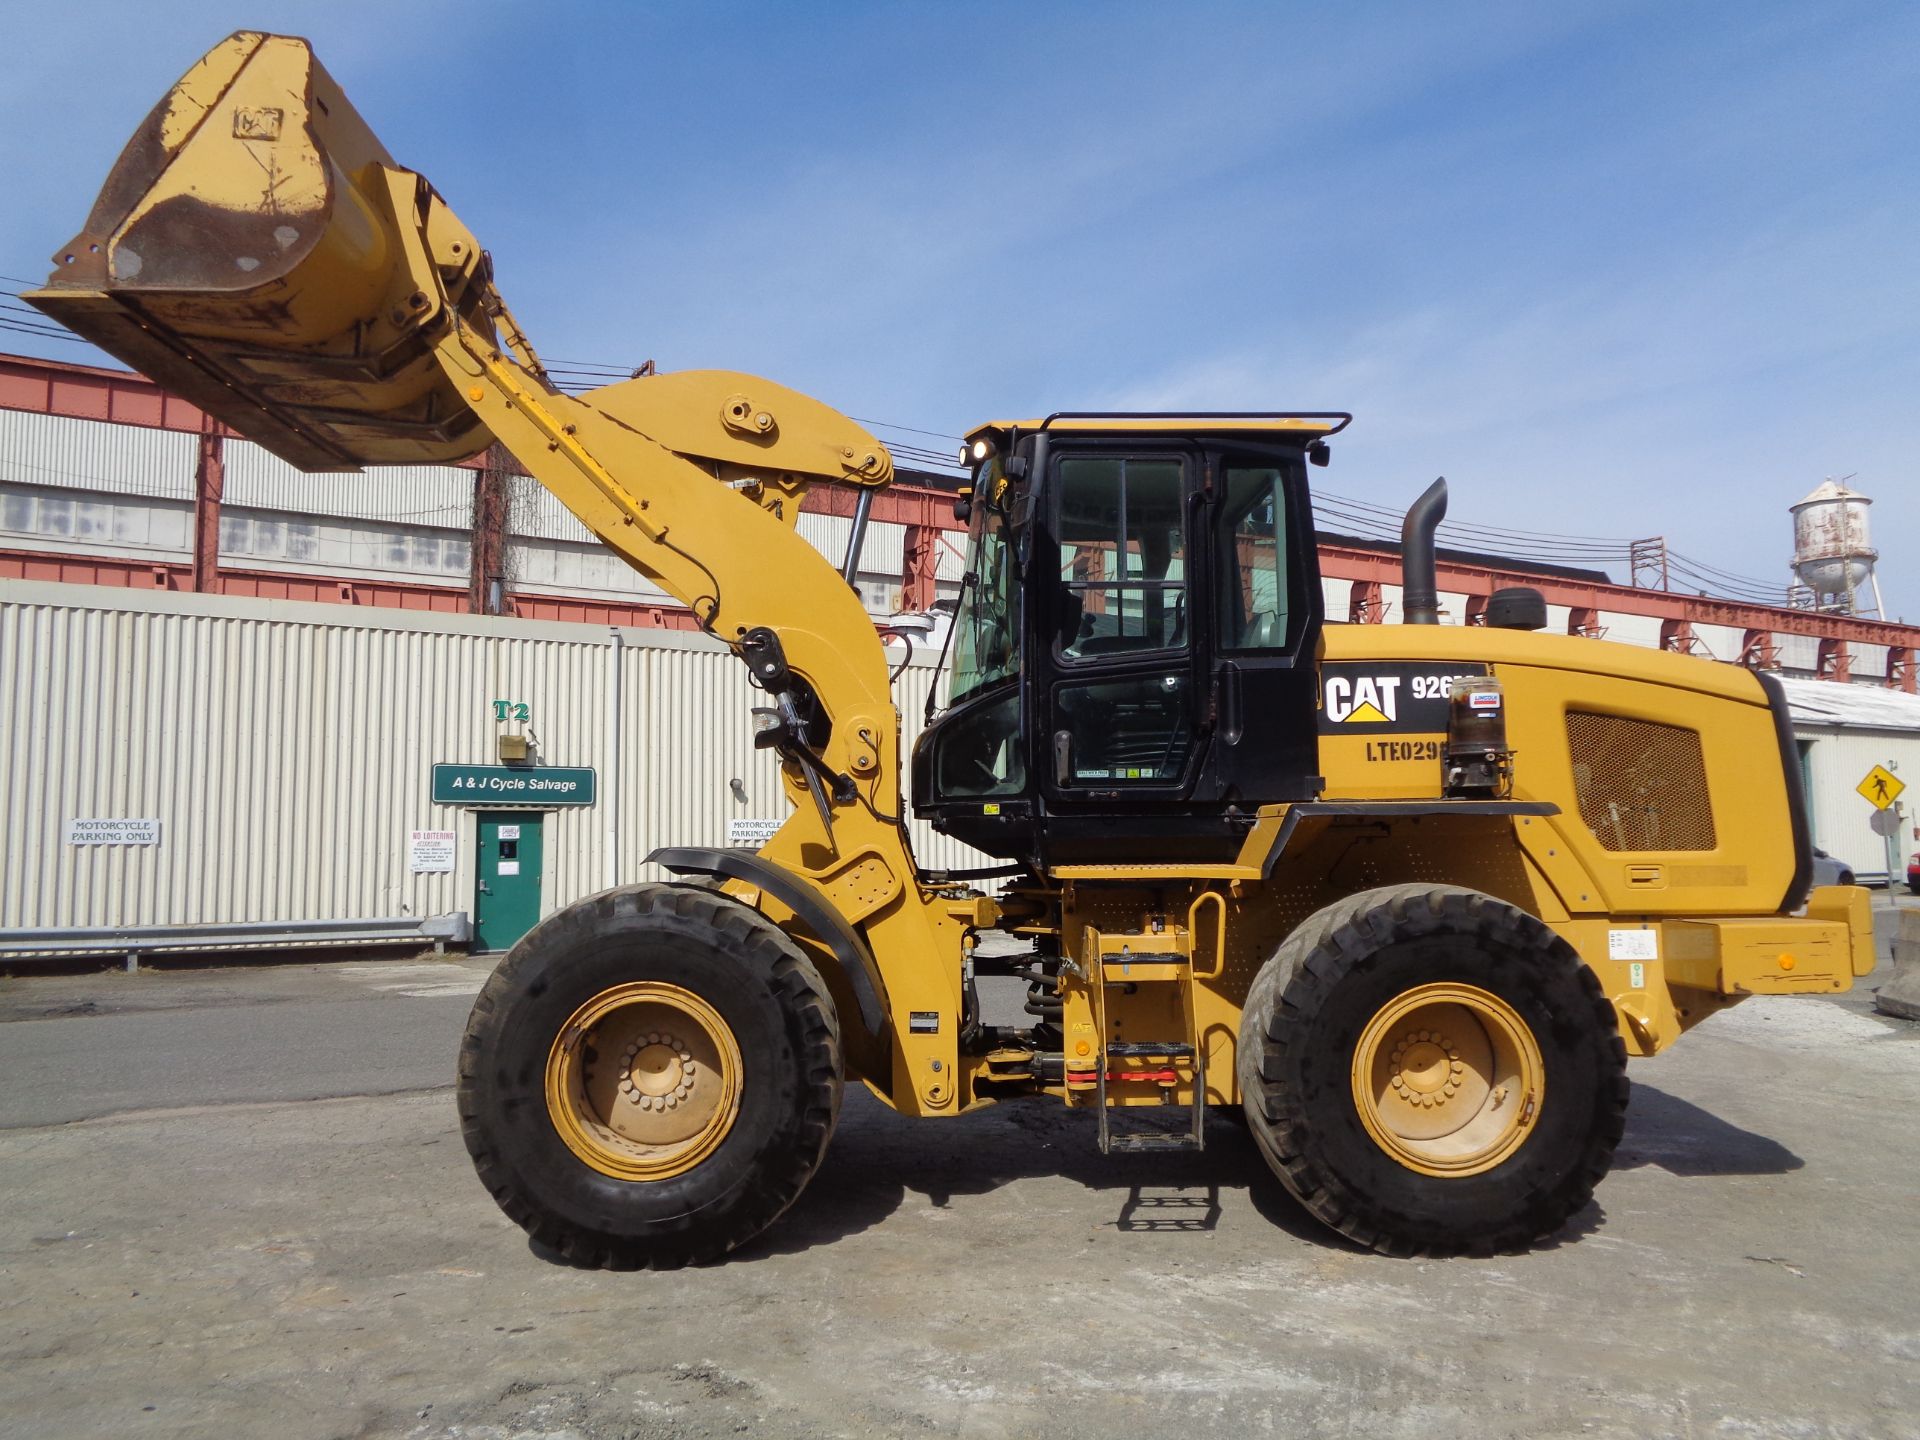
pixel 614 747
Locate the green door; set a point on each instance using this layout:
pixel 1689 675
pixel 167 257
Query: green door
pixel 506 900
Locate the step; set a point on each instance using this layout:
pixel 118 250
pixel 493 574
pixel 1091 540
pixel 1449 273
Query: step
pixel 1134 1049
pixel 1142 969
pixel 1159 1140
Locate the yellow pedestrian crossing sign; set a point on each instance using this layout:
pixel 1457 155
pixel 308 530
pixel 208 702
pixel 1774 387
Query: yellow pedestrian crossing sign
pixel 1881 787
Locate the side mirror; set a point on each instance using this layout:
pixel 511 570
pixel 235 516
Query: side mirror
pixel 963 510
pixel 1072 612
pixel 1318 453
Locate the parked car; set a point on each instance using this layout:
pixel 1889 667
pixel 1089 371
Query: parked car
pixel 1829 871
pixel 1913 872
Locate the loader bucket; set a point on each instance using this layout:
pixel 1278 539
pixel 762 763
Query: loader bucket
pixel 256 250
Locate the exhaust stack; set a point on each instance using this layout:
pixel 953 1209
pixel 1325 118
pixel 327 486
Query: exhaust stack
pixel 1419 591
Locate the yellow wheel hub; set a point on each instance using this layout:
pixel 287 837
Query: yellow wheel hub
pixel 643 1081
pixel 1448 1079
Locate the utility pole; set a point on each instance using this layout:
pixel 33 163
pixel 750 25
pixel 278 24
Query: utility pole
pixel 1648 559
pixel 209 489
pixel 488 539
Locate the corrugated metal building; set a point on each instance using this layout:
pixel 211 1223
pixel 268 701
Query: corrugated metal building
pixel 285 752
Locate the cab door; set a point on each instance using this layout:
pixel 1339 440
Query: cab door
pixel 1263 630
pixel 1118 681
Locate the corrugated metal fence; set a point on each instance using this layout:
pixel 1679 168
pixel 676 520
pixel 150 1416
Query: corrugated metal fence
pixel 285 751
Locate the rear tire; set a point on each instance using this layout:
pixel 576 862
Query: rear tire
pixel 1387 1008
pixel 650 1006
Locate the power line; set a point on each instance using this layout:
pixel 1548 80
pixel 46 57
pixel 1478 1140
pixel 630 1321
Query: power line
pixel 889 425
pixel 1728 575
pixel 42 334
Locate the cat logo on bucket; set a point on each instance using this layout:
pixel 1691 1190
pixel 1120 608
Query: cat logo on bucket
pixel 1362 699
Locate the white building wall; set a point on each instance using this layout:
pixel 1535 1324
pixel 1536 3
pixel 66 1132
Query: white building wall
pixel 286 750
pixel 1798 652
pixel 97 488
pixel 1722 642
pixel 1630 629
pixel 96 455
pixel 1868 659
pixel 438 495
pixel 37 518
pixel 1837 761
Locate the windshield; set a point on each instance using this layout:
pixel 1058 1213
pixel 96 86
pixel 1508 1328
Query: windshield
pixel 986 639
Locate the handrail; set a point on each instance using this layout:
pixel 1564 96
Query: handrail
pixel 1220 934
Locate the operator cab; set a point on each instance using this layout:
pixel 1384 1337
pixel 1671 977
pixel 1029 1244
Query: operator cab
pixel 1133 651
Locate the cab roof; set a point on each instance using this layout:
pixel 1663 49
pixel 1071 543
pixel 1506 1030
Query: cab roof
pixel 1174 422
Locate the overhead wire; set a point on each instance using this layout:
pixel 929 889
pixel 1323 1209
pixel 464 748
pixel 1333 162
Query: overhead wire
pixel 889 425
pixel 41 334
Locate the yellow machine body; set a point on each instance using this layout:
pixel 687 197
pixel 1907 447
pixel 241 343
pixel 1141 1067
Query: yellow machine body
pixel 1674 935
pixel 257 251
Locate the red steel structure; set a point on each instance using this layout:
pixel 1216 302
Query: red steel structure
pixel 49 387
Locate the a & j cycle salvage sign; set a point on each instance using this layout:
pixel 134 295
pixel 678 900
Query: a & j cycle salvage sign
pixel 541 785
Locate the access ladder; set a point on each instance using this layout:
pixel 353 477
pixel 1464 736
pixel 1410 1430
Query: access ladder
pixel 1158 955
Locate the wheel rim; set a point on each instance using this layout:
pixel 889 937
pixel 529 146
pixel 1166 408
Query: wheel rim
pixel 1448 1079
pixel 643 1081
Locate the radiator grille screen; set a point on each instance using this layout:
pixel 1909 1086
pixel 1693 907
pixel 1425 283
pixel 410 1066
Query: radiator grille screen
pixel 1642 785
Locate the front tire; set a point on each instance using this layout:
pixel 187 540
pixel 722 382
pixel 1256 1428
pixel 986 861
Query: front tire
pixel 1428 1069
pixel 650 1078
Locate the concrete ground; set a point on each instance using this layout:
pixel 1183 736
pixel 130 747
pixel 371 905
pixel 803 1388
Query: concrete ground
pixel 235 1202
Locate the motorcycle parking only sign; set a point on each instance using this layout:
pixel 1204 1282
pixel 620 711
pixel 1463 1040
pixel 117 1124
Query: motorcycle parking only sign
pixel 113 832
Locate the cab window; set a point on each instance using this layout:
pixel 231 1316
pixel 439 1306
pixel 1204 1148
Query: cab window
pixel 1121 528
pixel 1253 610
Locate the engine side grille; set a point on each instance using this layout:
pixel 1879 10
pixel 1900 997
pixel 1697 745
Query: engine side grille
pixel 1641 785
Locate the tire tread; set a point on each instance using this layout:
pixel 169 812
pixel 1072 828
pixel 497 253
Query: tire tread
pixel 1296 981
pixel 801 990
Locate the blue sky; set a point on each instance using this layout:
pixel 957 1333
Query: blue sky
pixel 1615 270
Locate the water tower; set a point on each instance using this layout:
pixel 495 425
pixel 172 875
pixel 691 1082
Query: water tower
pixel 1831 556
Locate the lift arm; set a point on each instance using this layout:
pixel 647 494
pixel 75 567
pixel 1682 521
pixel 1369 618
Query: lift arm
pixel 256 250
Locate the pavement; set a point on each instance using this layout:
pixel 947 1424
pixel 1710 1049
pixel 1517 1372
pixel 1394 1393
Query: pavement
pixel 236 1203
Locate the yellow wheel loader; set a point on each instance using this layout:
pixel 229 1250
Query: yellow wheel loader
pixel 1407 895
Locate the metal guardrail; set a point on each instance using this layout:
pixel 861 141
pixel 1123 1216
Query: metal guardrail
pixel 135 940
